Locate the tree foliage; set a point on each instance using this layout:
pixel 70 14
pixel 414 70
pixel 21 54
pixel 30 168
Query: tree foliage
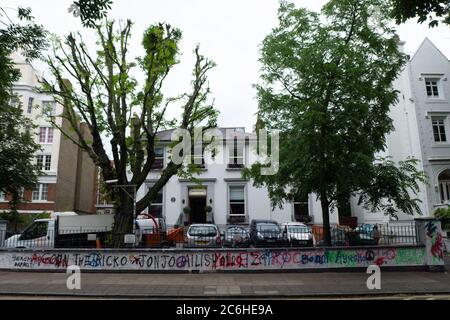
pixel 434 11
pixel 112 103
pixel 18 170
pixel 90 11
pixel 327 85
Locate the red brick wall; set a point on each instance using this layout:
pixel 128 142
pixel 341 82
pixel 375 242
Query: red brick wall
pixel 35 206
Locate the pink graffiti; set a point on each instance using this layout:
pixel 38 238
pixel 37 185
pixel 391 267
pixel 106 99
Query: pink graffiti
pixel 437 248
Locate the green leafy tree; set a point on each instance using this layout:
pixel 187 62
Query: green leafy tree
pixel 434 11
pixel 90 11
pixel 327 86
pixel 18 170
pixel 111 102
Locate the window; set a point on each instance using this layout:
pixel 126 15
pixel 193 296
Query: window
pixel 44 162
pixel 49 107
pixel 30 104
pixel 301 209
pixel 156 208
pixel 432 86
pixel 237 201
pixel 236 159
pixel 35 231
pixel 45 135
pixel 444 186
pixel 40 192
pixel 198 158
pixel 159 159
pixel 439 130
pixel 2 196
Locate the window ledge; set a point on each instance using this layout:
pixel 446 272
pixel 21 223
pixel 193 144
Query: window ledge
pixel 235 169
pixel 436 100
pixel 41 201
pixel 441 145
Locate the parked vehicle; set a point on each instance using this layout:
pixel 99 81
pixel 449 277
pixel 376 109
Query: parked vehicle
pixel 69 230
pixel 266 233
pixel 344 238
pixel 203 236
pixel 63 230
pixel 298 234
pixel 236 236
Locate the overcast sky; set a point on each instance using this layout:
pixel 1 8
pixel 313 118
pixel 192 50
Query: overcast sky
pixel 228 31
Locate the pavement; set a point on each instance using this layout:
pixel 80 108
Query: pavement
pixel 228 285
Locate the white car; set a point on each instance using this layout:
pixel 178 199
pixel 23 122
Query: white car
pixel 298 234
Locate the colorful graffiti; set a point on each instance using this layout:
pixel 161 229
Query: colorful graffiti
pixel 212 260
pixel 437 244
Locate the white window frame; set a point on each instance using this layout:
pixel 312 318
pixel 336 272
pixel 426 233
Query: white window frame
pixel 231 154
pixel 433 83
pixel 163 158
pixel 46 159
pixel 163 213
pixel 30 105
pixel 2 196
pixel 40 189
pixel 240 185
pixel 444 124
pixel 444 191
pixel 46 135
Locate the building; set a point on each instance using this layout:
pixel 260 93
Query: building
pixel 422 130
pixel 70 175
pixel 223 196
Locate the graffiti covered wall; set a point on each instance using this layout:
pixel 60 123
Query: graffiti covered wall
pixel 213 260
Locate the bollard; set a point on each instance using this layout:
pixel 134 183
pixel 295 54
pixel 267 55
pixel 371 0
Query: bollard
pixel 3 224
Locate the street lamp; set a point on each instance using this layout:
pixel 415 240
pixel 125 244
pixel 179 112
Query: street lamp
pixel 124 187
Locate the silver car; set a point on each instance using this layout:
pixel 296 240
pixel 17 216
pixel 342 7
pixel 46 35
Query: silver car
pixel 203 236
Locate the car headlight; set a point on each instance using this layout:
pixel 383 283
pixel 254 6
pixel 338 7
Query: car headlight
pixel 260 235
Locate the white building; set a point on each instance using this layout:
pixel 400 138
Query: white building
pixel 422 130
pixel 69 176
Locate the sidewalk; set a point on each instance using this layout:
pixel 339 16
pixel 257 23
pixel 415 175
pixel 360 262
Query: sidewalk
pixel 221 285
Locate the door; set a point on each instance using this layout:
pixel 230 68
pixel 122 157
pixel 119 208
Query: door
pixel 198 213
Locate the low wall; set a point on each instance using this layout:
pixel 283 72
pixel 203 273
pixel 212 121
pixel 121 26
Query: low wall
pixel 205 260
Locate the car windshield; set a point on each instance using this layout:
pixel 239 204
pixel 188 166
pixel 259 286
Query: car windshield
pixel 298 229
pixel 237 230
pixel 268 227
pixel 206 231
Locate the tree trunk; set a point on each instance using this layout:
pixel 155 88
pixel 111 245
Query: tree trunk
pixel 123 221
pixel 326 219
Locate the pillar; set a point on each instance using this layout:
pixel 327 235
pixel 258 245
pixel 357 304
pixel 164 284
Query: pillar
pixel 430 235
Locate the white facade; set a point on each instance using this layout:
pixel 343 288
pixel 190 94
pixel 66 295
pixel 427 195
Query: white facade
pixel 222 188
pixel 424 93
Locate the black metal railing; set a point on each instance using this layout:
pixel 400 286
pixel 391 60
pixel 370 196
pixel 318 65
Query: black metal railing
pixel 212 236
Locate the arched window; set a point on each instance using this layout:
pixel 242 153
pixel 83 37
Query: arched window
pixel 444 186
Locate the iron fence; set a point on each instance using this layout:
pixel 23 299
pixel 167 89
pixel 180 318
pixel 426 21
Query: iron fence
pixel 212 236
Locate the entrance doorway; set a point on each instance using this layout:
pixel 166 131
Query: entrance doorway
pixel 197 203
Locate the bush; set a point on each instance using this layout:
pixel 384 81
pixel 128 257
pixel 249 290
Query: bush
pixel 444 215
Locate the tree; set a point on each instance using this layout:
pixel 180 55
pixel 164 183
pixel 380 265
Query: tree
pixel 433 10
pixel 327 86
pixel 90 11
pixel 109 100
pixel 18 170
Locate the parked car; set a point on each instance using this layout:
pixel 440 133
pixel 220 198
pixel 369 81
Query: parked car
pixel 345 237
pixel 298 234
pixel 236 236
pixel 266 233
pixel 203 236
